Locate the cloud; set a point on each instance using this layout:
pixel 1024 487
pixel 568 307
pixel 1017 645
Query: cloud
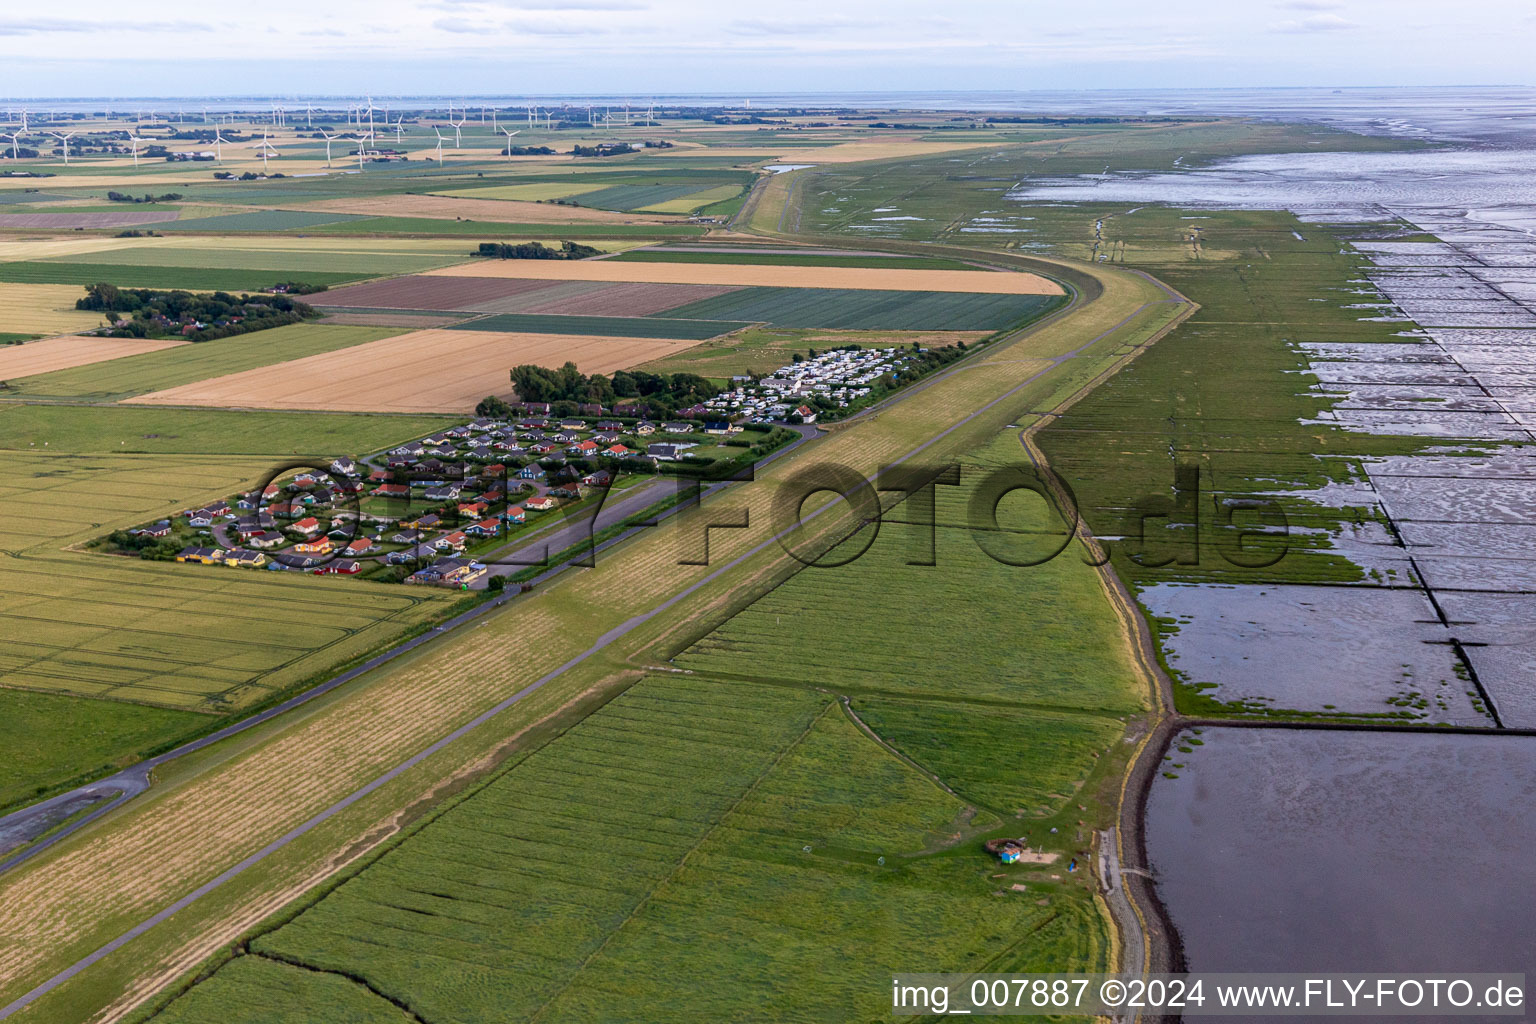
pixel 35 26
pixel 610 6
pixel 770 27
pixel 1310 5
pixel 575 5
pixel 1316 23
pixel 461 25
pixel 546 27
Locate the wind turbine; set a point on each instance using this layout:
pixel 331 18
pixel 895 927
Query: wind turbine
pixel 218 144
pixel 457 140
pixel 509 135
pixel 266 150
pixel 309 112
pixel 328 139
pixel 370 120
pixel 64 137
pixel 136 140
pixel 439 148
pixel 399 127
pixel 15 149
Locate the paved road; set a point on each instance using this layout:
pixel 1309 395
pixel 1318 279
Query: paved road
pixel 602 642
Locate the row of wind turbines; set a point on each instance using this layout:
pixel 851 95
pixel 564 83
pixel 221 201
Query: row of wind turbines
pixel 362 116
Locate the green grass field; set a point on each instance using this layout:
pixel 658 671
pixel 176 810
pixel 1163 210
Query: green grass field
pixel 605 872
pixel 116 379
pixel 954 629
pixel 261 220
pixel 192 278
pixel 10 337
pixel 50 739
pixel 329 261
pixel 614 326
pixel 127 428
pixel 498 231
pixel 854 309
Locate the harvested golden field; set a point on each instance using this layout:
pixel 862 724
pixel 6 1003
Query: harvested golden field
pixel 39 247
pixel 43 309
pixel 63 353
pixel 748 275
pixel 424 371
pixel 508 211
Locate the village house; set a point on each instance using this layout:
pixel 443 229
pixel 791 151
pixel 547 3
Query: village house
pixel 263 539
pixel 206 556
pixel 340 567
pixel 486 528
pixel 541 504
pixel 306 527
pixel 360 546
pixel 245 559
pixel 320 546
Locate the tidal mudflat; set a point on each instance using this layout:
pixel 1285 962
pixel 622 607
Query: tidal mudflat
pixel 1366 651
pixel 1310 850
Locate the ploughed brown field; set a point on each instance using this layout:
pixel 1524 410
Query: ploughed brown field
pixel 516 295
pixel 424 371
pixel 62 353
pixel 748 275
pixel 506 211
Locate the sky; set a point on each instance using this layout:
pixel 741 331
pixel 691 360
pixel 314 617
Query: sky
pixel 660 47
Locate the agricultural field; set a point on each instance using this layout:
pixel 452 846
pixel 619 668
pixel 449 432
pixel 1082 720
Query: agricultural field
pixel 155 370
pixel 605 326
pixel 881 278
pixel 866 310
pixel 782 258
pixel 306 259
pixel 43 357
pixel 189 277
pixel 435 370
pixel 43 309
pixel 525 880
pixel 483 211
pixel 51 739
pixel 472 294
pixel 129 429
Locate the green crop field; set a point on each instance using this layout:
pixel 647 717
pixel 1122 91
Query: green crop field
pixel 50 739
pixel 129 428
pixel 261 220
pixel 656 855
pixel 370 264
pixel 809 258
pixel 498 231
pixel 855 309
pixel 633 197
pixel 192 278
pixel 116 379
pixel 614 326
pixel 961 622
pixel 1007 759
